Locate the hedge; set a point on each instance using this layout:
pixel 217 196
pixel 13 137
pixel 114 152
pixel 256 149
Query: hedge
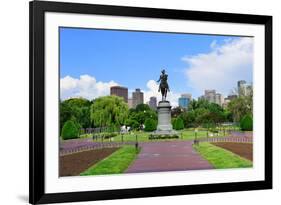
pixel 70 130
pixel 178 123
pixel 246 123
pixel 150 125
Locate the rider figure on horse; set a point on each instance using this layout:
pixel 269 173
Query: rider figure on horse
pixel 163 87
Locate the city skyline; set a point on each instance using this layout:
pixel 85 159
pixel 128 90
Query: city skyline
pixel 210 95
pixel 91 61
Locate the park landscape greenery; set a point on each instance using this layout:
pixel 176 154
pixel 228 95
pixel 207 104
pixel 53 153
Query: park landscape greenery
pixel 111 112
pixel 116 163
pixel 221 158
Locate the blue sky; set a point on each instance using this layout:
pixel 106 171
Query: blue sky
pixel 133 59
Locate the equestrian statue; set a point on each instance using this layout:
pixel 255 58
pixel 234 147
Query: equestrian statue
pixel 163 86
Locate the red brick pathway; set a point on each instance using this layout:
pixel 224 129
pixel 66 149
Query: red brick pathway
pixel 168 156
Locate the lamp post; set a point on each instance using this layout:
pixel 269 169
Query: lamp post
pixel 137 144
pixel 195 133
pixel 102 140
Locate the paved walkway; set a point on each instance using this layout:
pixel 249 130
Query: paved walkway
pixel 168 156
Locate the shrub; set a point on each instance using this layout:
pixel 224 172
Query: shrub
pixel 214 130
pixel 178 123
pixel 69 130
pixel 157 136
pixel 109 135
pixel 104 135
pixel 150 125
pixel 246 123
pixel 132 123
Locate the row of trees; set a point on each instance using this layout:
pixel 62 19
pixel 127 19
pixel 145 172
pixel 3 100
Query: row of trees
pixel 108 111
pixel 142 115
pixel 203 113
pixel 112 111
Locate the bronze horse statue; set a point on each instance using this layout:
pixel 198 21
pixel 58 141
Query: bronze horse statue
pixel 163 86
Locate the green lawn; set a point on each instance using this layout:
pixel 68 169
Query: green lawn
pixel 116 163
pixel 187 134
pixel 221 158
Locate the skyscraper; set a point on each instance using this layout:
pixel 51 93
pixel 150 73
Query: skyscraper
pixel 210 95
pixel 153 103
pixel 184 100
pixel 219 99
pixel 248 90
pixel 241 87
pixel 228 99
pixel 137 97
pixel 244 89
pixel 120 91
pixel 213 97
pixel 130 102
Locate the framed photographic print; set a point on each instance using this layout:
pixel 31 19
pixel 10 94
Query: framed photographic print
pixel 140 102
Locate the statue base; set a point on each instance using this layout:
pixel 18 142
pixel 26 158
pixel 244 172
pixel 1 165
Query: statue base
pixel 164 126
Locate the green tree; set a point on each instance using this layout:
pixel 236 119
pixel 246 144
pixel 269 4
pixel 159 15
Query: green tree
pixel 140 115
pixel 77 109
pixel 203 113
pixel 195 104
pixel 65 113
pixel 150 125
pixel 188 118
pixel 228 115
pixel 240 107
pixel 246 123
pixel 70 130
pixel 132 123
pixel 178 123
pixel 109 111
pixel 142 107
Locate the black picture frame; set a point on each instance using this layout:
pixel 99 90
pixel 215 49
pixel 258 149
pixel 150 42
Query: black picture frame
pixel 37 9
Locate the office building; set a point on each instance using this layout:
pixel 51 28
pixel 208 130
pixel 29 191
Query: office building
pixel 210 95
pixel 137 97
pixel 244 89
pixel 213 97
pixel 130 102
pixel 120 91
pixel 219 99
pixel 184 100
pixel 153 103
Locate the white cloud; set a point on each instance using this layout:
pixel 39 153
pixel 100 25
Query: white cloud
pixel 152 90
pixel 221 68
pixel 86 86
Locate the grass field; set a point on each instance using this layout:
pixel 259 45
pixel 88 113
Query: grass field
pixel 116 163
pixel 221 158
pixel 186 134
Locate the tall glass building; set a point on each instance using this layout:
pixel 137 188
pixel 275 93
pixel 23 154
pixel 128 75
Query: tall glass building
pixel 184 100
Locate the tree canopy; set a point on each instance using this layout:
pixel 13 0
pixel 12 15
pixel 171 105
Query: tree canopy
pixel 240 107
pixel 203 113
pixel 246 123
pixel 70 130
pixel 140 114
pixel 109 111
pixel 76 109
pixel 150 125
pixel 178 123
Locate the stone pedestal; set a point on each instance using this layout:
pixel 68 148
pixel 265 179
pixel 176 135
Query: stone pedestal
pixel 164 126
pixel 164 116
